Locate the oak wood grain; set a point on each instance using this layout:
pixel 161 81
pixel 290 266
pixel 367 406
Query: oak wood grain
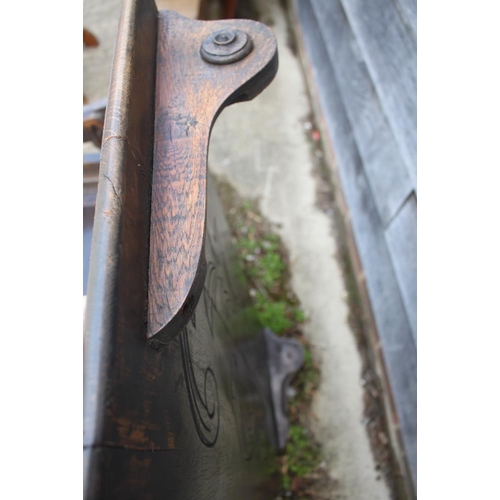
pixel 190 93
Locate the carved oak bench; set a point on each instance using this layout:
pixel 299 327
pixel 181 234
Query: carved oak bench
pixel 183 388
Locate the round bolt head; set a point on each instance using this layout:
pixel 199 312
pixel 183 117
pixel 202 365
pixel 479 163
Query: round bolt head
pixel 224 37
pixel 226 46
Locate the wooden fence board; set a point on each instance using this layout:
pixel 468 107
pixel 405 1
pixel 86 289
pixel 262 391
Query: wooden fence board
pixel 408 11
pixel 390 54
pixel 395 334
pixel 401 237
pixel 385 168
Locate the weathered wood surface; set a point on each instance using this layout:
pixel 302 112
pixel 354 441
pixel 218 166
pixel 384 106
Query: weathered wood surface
pixel 188 414
pixel 387 174
pixel 401 237
pixel 389 50
pixel 119 261
pixel 408 11
pixel 189 95
pixel 394 330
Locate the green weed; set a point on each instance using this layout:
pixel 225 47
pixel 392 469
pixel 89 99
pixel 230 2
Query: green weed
pixel 303 453
pixel 272 314
pixel 264 261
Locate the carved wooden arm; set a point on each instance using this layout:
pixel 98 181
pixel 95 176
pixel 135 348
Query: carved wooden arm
pixel 201 68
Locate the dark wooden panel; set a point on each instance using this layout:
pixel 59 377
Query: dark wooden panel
pixel 394 330
pixel 390 53
pixel 401 237
pixel 192 419
pixel 385 169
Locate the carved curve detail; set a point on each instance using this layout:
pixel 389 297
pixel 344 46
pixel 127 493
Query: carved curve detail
pixel 204 410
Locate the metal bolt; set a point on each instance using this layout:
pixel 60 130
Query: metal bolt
pixel 226 46
pixel 224 38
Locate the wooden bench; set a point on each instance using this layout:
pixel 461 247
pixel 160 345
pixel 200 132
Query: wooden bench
pixel 183 389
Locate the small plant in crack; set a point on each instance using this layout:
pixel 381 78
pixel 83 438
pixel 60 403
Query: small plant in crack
pixel 265 262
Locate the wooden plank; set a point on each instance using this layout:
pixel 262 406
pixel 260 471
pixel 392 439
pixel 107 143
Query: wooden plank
pixel 390 53
pixel 396 339
pixel 123 204
pixel 408 11
pixel 387 175
pixel 401 237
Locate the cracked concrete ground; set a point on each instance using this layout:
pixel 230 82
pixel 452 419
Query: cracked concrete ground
pixel 261 149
